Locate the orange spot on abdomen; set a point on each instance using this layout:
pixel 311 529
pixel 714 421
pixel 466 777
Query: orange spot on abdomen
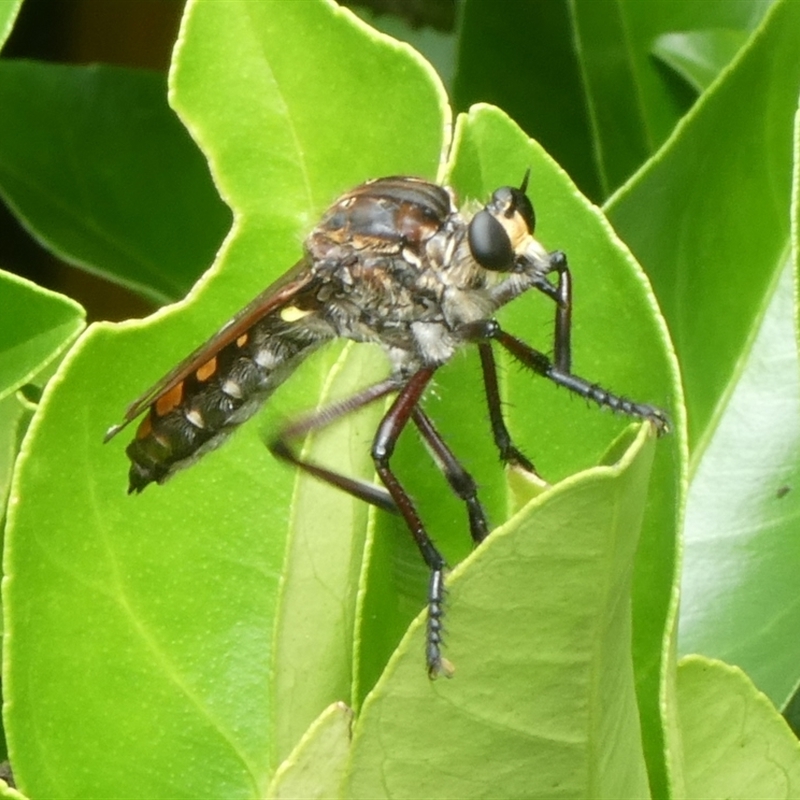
pixel 169 400
pixel 145 428
pixel 207 370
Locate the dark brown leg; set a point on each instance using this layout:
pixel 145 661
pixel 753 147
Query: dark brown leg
pixel 461 482
pixel 279 446
pixel 509 453
pixel 382 448
pixel 486 330
pixel 562 337
pixel 561 294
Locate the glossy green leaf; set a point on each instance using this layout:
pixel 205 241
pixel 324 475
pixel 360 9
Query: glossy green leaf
pixel 7 793
pixel 436 46
pixel 580 76
pixel 699 56
pixel 522 60
pixel 633 102
pixel 315 768
pixel 736 745
pixel 14 419
pixel 615 329
pixel 543 700
pixel 739 599
pixel 700 239
pixel 36 327
pixel 141 628
pixel 742 512
pixel 99 169
pixel 316 616
pixel 715 249
pixel 8 15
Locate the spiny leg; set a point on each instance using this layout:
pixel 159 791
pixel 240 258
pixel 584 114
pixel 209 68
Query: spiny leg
pixel 561 294
pixel 542 365
pixel 509 453
pixel 461 482
pixel 383 446
pixel 279 446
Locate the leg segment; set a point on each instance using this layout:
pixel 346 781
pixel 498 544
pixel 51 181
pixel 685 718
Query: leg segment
pixel 562 350
pixel 509 454
pixel 461 482
pixel 541 364
pixel 561 295
pixel 279 446
pixel 382 448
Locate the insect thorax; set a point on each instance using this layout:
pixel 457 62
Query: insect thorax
pixel 398 273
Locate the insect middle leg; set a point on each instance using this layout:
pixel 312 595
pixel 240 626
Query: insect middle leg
pixel 394 498
pixel 383 446
pixel 461 482
pixel 509 453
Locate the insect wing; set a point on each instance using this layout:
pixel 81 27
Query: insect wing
pixel 275 296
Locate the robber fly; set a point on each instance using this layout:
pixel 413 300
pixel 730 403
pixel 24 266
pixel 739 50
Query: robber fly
pixel 393 262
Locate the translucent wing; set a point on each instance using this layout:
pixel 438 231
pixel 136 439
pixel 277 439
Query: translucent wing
pixel 274 297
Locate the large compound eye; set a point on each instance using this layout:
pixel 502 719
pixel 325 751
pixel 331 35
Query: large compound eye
pixel 489 242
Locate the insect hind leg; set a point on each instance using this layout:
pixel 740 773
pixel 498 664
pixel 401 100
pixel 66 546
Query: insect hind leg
pixel 281 448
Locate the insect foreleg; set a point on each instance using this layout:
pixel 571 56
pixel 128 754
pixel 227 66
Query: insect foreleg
pixel 561 295
pixel 509 453
pixel 542 365
pixel 280 447
pixel 562 338
pixel 383 446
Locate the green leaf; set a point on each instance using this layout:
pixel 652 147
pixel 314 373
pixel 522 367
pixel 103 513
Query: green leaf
pixel 437 46
pixel 742 517
pixel 98 168
pixel 699 56
pixel 317 609
pixel 8 15
pixel 315 767
pixel 7 793
pixel 36 327
pixel 580 76
pixel 616 330
pixel 543 700
pixel 674 222
pixel 742 513
pixel 142 627
pixel 634 105
pixel 14 419
pixel 715 249
pixel 540 87
pixel 736 744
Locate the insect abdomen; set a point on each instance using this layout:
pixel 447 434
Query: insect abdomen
pixel 200 411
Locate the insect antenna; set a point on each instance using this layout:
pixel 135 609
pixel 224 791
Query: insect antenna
pixel 524 185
